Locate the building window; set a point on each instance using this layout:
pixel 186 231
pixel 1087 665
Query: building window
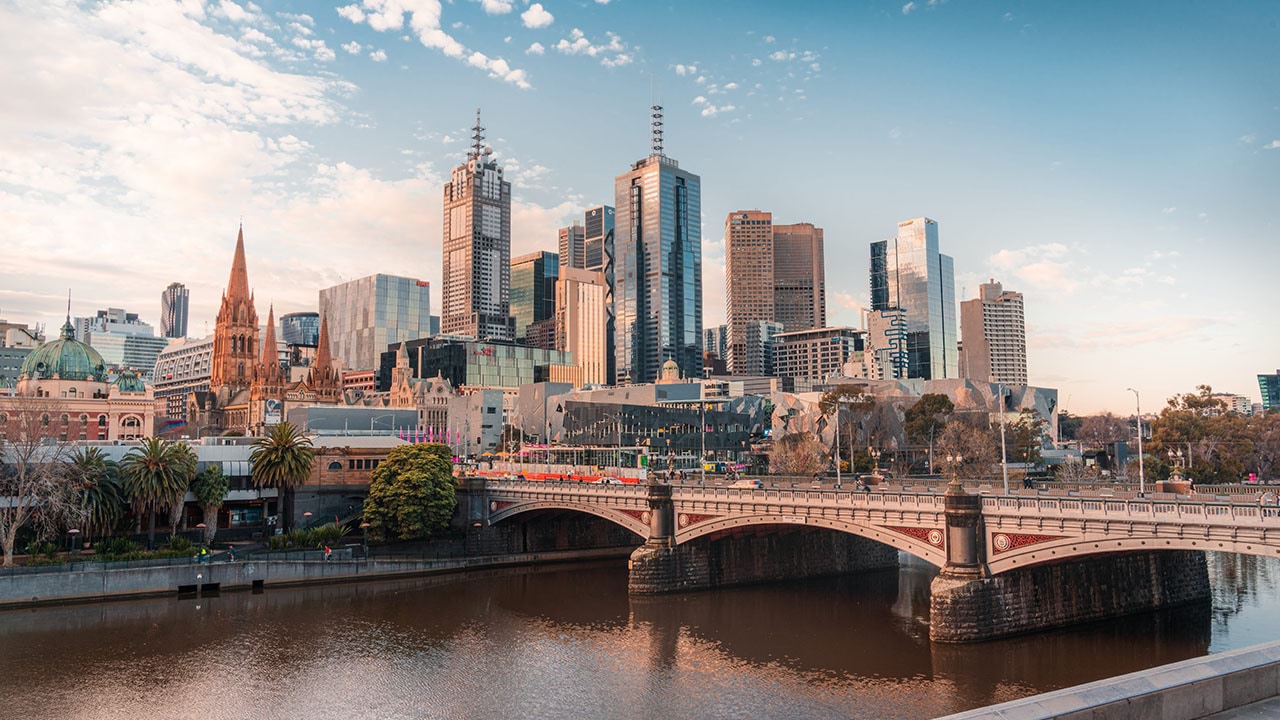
pixel 102 421
pixel 335 465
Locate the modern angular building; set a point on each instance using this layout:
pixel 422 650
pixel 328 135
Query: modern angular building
pixel 175 306
pixel 908 272
pixel 799 277
pixel 469 365
pixel 573 252
pixel 477 248
pixel 995 336
pixel 533 289
pixel 368 314
pixel 301 329
pixel 599 243
pixel 1270 386
pixel 658 265
pixel 581 322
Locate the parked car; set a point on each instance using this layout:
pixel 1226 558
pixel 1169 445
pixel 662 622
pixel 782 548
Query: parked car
pixel 751 484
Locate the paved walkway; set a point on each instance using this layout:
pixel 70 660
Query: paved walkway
pixel 1261 710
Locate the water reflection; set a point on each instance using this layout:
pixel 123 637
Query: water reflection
pixel 569 642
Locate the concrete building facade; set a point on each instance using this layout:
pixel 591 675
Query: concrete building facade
pixel 799 277
pixel 581 322
pixel 995 336
pixel 810 357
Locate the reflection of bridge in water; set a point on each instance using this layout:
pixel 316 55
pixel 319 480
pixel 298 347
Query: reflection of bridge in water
pixel 990 547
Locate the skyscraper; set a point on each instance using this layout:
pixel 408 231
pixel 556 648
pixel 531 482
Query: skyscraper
pixel 533 289
pixel 799 277
pixel 599 246
pixel 909 273
pixel 174 308
pixel 580 322
pixel 995 336
pixel 366 315
pixel 749 296
pixel 477 247
pixel 1269 384
pixel 658 265
pixel 573 246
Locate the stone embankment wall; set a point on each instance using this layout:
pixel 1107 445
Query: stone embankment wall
pixel 968 609
pixel 754 557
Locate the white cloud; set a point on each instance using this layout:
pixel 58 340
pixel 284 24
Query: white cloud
pixel 611 53
pixel 769 39
pixel 535 49
pixel 352 48
pixel 683 70
pixel 710 109
pixel 424 21
pixel 906 9
pixel 1248 139
pixel 232 11
pixel 1169 210
pixel 1273 145
pixel 755 62
pixel 782 56
pixel 731 86
pixel 496 7
pixel 536 17
pixel 378 56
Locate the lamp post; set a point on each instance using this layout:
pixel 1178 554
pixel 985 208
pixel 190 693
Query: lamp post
pixel 71 539
pixel 364 538
pixel 1142 476
pixel 375 418
pixel 954 461
pixel 1004 455
pixel 306 517
pixel 1175 459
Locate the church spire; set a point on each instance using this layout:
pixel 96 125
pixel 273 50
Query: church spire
pixel 238 284
pixel 269 354
pixel 324 355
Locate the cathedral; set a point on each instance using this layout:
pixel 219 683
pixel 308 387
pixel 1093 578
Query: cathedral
pixel 249 389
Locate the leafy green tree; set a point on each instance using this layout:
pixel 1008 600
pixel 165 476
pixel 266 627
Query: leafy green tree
pixel 101 493
pixel 411 493
pixel 210 487
pixel 852 406
pixel 1068 425
pixel 282 460
pixel 927 417
pixel 155 473
pixel 1024 437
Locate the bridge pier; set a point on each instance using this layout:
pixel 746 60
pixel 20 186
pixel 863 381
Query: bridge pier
pixel 968 604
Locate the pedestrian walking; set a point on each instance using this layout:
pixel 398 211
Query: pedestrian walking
pixel 328 553
pixel 231 553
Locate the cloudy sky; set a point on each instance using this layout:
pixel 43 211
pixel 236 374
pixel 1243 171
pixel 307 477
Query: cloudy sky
pixel 1118 165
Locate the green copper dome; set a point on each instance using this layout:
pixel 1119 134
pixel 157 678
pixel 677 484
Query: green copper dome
pixel 65 358
pixel 129 382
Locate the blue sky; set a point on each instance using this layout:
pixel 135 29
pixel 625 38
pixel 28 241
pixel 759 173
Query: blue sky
pixel 1118 163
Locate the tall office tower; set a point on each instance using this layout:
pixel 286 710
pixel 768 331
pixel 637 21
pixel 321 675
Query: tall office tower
pixel 365 316
pixel 748 276
pixel 995 336
pixel 1269 384
pixel 533 289
pixel 175 304
pixel 799 277
pixel 600 256
pixel 908 272
pixel 716 340
pixel 658 265
pixel 573 251
pixel 580 322
pixel 477 247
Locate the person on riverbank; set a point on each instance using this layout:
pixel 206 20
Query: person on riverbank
pixel 204 554
pixel 231 553
pixel 328 553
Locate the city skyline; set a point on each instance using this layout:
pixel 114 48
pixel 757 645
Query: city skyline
pixel 337 168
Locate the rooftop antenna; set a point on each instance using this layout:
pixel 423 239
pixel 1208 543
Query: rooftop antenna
pixel 655 119
pixel 477 138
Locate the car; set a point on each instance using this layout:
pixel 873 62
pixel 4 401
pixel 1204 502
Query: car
pixel 748 485
pixel 606 481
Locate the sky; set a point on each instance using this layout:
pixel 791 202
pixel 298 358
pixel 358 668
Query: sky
pixel 1117 163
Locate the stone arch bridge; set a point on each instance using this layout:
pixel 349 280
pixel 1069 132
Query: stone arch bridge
pixel 993 550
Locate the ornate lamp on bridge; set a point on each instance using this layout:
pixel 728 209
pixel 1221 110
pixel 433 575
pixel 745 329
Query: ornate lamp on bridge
pixel 954 487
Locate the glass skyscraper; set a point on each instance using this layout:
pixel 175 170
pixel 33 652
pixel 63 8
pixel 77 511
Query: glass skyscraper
pixel 1270 386
pixel 658 266
pixel 175 303
pixel 908 273
pixel 600 257
pixel 367 315
pixel 533 289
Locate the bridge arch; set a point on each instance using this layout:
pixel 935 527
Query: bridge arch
pixel 617 517
pixel 919 548
pixel 1068 548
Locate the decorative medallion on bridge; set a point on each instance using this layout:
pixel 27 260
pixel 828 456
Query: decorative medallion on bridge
pixel 1004 542
pixel 689 519
pixel 496 505
pixel 933 536
pixel 641 515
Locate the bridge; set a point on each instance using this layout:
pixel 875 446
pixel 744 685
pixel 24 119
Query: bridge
pixel 1001 551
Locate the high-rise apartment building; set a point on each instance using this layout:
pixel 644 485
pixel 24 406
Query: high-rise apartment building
pixel 175 306
pixel 581 321
pixel 477 247
pixel 533 289
pixel 995 336
pixel 908 272
pixel 716 340
pixel 1270 386
pixel 122 339
pixel 748 276
pixel 799 277
pixel 365 316
pixel 599 248
pixel 658 265
pixel 573 252
pixel 885 354
pixel 812 356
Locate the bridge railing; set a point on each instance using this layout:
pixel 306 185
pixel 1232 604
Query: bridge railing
pixel 1223 513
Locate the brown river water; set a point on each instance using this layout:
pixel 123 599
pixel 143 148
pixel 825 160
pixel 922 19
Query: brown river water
pixel 567 642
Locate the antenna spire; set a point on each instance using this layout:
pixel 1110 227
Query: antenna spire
pixel 655 144
pixel 477 138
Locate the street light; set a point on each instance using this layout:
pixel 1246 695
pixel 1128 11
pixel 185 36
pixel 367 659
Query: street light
pixel 1004 455
pixel 71 541
pixel 1142 476
pixel 954 461
pixel 376 418
pixel 364 538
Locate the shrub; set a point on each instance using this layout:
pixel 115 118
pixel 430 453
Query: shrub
pixel 177 543
pixel 42 548
pixel 327 534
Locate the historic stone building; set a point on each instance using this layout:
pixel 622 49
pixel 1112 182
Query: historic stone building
pixel 429 395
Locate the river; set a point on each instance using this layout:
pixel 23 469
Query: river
pixel 567 642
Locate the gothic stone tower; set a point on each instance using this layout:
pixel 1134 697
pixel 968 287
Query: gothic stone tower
pixel 325 377
pixel 269 381
pixel 235 340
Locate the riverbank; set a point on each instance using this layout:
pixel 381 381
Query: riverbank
pixel 94 582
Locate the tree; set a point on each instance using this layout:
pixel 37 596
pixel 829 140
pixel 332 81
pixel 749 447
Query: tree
pixel 411 493
pixel 1024 437
pixel 187 462
pixel 37 488
pixel 1074 471
pixel 797 454
pixel 155 473
pixel 210 487
pixel 1097 431
pixel 1068 426
pixel 102 498
pixel 973 444
pixel 852 406
pixel 927 417
pixel 282 460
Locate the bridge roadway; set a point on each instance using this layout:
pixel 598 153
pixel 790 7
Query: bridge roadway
pixel 1015 531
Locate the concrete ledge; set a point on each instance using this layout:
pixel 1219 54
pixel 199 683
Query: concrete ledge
pixel 1186 690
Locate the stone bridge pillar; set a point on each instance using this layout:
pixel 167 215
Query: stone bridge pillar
pixel 966 554
pixel 477 502
pixel 662 517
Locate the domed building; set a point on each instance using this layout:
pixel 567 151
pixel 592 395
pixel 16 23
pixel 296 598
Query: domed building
pixel 67 380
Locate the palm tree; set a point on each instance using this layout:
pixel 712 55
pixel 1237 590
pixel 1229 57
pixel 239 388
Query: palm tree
pixel 210 488
pixel 282 460
pixel 187 462
pixel 155 473
pixel 102 498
